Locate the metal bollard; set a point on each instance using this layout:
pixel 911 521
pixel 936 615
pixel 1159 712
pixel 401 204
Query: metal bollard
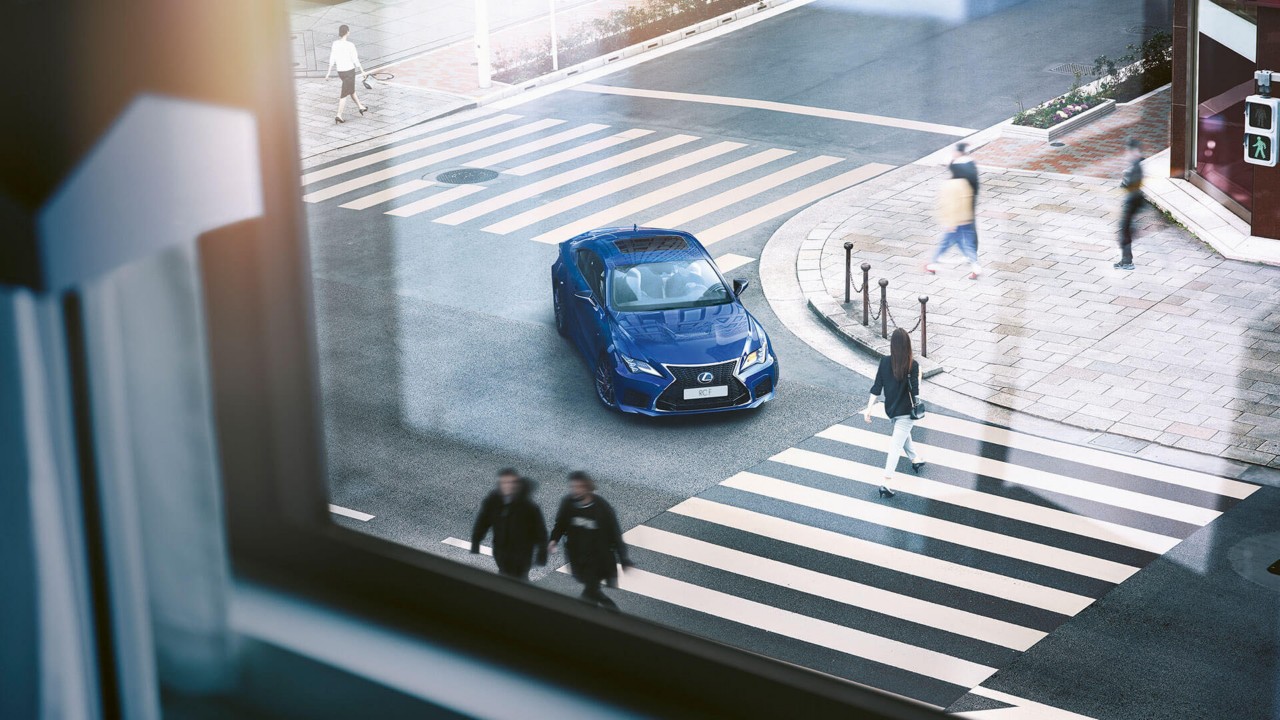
pixel 884 308
pixel 848 270
pixel 924 327
pixel 866 295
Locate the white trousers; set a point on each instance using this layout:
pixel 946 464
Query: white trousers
pixel 899 442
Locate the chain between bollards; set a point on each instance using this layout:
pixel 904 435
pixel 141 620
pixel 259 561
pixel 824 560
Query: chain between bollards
pixel 848 270
pixel 884 308
pixel 866 294
pixel 924 328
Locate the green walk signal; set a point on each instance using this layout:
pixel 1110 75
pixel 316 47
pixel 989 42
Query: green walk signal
pixel 1261 130
pixel 1259 147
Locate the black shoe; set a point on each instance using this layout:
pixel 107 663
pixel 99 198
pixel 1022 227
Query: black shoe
pixel 915 467
pixel 366 107
pixel 885 492
pixel 1123 266
pixel 338 120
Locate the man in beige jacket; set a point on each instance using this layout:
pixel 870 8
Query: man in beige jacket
pixel 955 214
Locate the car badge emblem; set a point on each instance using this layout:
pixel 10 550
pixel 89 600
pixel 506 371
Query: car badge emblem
pixel 705 377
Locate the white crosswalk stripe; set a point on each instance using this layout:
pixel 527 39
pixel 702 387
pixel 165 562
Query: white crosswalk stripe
pixel 426 161
pixel 551 209
pixel 435 201
pixel 960 571
pixel 730 262
pixel 675 190
pixel 568 177
pixel 583 180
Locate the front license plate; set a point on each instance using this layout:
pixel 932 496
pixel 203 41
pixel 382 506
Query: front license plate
pixel 700 393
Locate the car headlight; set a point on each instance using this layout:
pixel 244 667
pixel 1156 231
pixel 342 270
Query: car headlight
pixel 638 366
pixel 757 356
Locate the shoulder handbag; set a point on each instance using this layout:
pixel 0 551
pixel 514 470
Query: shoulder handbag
pixel 917 405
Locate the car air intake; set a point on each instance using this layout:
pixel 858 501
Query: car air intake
pixel 686 378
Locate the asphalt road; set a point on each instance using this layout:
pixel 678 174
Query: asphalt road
pixel 440 362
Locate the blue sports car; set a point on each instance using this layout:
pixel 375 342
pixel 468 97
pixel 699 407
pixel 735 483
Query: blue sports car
pixel 661 330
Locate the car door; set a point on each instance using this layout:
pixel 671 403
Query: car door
pixel 589 303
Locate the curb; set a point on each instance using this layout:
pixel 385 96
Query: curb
pixel 834 315
pixel 571 72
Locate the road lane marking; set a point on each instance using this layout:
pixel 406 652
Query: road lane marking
pixel 595 192
pixel 458 543
pixel 730 262
pixel 565 156
pixel 825 634
pixel 425 161
pixel 1053 518
pixel 427 203
pixel 405 148
pixel 1021 709
pixel 885 556
pixel 535 145
pixel 944 530
pixel 565 178
pixel 884 602
pixel 677 218
pixel 390 193
pixel 1038 479
pixel 348 512
pixel 794 201
pixel 900 123
pixel 625 209
pixel 1184 477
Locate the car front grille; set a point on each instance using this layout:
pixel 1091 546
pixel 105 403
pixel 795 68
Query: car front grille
pixel 686 376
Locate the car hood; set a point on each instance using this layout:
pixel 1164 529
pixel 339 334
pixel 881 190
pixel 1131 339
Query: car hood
pixel 688 336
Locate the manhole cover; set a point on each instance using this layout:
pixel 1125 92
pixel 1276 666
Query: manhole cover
pixel 1057 144
pixel 466 176
pixel 1070 68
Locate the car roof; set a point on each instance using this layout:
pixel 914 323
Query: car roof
pixel 627 246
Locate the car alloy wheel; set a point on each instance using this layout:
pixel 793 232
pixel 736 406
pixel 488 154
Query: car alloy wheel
pixel 558 306
pixel 604 381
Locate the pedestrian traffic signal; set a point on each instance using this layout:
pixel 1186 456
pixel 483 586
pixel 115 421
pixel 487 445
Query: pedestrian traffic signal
pixel 1261 130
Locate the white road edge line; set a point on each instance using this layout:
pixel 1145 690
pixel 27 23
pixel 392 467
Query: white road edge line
pixel 348 512
pixel 809 110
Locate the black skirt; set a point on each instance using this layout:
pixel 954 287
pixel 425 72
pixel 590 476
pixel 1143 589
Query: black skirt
pixel 348 82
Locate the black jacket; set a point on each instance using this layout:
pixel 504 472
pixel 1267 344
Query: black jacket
pixel 593 540
pixel 518 527
pixel 1131 181
pixel 966 169
pixel 896 401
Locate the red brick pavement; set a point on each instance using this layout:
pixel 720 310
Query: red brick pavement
pixel 1097 149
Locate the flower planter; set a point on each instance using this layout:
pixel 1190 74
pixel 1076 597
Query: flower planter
pixel 1049 134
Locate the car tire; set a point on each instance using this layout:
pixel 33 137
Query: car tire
pixel 557 306
pixel 606 387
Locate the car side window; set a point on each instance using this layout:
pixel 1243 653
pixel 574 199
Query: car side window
pixel 592 268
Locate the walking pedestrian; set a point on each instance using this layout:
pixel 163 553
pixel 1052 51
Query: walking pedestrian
pixel 898 378
pixel 1131 184
pixel 955 214
pixel 343 56
pixel 519 531
pixel 593 539
pixel 963 166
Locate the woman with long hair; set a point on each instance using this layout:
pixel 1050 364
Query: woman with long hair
pixel 898 378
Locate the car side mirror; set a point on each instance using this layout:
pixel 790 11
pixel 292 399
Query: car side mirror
pixel 740 285
pixel 587 298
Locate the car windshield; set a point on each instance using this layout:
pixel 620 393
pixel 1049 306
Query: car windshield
pixel 667 285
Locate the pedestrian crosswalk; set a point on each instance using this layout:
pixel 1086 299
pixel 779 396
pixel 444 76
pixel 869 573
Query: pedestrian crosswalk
pixel 1002 537
pixel 557 179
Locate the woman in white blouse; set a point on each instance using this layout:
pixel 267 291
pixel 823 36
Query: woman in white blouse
pixel 343 57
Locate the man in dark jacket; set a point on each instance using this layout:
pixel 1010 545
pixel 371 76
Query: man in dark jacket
pixel 963 166
pixel 593 539
pixel 1131 184
pixel 519 531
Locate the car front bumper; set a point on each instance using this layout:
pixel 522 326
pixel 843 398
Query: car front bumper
pixel 639 393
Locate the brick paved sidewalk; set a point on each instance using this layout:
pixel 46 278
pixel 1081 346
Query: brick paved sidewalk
pixel 1097 149
pixel 1184 351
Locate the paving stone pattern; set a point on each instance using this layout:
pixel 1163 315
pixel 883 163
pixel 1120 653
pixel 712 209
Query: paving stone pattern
pixel 391 108
pixel 1183 351
pixel 1096 149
